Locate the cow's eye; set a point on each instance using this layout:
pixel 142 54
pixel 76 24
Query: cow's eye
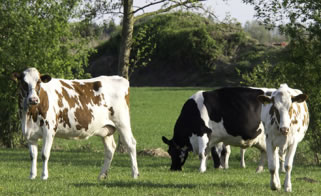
pixel 24 85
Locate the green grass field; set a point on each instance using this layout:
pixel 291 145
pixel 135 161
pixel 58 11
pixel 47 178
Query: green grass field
pixel 74 165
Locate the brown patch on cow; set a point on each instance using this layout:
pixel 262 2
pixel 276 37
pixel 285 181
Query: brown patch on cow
pixel 60 104
pixel 86 92
pixel 305 108
pixel 33 113
pixel 84 117
pixel 305 120
pixel 291 111
pixel 43 106
pixel 112 112
pixel 87 96
pixel 97 85
pixel 65 84
pixel 70 100
pixel 127 98
pixel 63 118
pixel 294 122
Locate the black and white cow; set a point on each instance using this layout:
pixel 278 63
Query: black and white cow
pixel 229 115
pixel 286 119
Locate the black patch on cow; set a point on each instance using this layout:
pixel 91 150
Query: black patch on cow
pixel 238 108
pixel 268 93
pixel 189 122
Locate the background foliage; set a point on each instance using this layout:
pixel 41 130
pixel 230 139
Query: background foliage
pixel 36 34
pixel 299 64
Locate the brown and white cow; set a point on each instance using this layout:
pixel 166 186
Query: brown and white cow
pixel 286 119
pixel 74 109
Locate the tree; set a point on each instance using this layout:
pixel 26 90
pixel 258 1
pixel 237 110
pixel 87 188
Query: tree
pixel 300 66
pixel 128 15
pixel 35 34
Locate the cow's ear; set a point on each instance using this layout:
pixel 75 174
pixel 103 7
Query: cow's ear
pixel 300 98
pixel 166 141
pixel 264 99
pixel 45 78
pixel 15 76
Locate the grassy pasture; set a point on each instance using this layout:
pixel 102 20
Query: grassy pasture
pixel 74 165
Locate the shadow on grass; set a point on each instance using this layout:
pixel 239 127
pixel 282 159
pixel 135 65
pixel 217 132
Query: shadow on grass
pixel 140 184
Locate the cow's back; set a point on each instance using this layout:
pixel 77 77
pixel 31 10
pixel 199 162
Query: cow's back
pixel 80 108
pixel 237 108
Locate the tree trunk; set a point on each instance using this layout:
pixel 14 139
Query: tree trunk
pixel 124 53
pixel 126 39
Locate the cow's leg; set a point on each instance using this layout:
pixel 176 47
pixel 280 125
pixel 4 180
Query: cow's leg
pixel 227 156
pixel 33 149
pixel 130 142
pixel 242 152
pixel 122 121
pixel 110 146
pixel 202 152
pixel 288 167
pixel 216 158
pixel 47 144
pixel 202 156
pixel 273 163
pixel 260 167
pixel 282 159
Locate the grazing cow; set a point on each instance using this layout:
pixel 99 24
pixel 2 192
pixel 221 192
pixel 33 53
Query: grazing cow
pixel 228 115
pixel 286 119
pixel 74 109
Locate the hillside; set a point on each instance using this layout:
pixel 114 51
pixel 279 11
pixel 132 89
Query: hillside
pixel 183 49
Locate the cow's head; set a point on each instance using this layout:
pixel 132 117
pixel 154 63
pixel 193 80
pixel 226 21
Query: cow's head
pixel 281 106
pixel 178 154
pixel 29 83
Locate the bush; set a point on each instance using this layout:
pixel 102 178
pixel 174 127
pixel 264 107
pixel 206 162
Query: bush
pixel 35 34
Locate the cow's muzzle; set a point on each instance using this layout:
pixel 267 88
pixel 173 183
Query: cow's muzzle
pixel 33 101
pixel 284 131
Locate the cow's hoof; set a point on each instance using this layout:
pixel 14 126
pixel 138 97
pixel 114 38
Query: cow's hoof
pixel 275 187
pixel 44 177
pixel 102 177
pixel 135 176
pixel 288 189
pixel 259 170
pixel 32 177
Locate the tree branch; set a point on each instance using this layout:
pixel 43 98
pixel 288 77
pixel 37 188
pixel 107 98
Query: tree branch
pixel 163 10
pixel 148 5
